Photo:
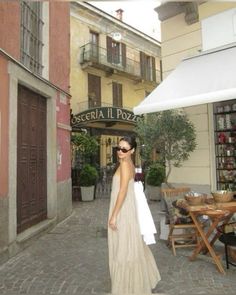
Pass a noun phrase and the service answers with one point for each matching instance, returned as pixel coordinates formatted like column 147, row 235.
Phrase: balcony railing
column 88, row 104
column 93, row 55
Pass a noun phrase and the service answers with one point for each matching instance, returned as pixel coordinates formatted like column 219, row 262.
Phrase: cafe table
column 219, row 213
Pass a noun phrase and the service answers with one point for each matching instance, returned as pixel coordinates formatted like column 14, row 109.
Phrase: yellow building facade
column 187, row 29
column 113, row 67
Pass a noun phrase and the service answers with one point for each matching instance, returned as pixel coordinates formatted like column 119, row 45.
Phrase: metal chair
column 180, row 234
column 228, row 238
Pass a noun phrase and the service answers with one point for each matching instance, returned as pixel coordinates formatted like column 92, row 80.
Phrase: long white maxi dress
column 133, row 269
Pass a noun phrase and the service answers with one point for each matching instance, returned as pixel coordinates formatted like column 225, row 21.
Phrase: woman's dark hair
column 131, row 141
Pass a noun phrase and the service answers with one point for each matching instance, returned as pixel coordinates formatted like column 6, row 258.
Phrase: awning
column 205, row 78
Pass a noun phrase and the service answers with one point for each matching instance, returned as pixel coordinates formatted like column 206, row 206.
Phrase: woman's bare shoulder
column 127, row 169
column 125, row 164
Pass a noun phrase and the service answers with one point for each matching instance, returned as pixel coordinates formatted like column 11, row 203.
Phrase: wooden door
column 31, row 159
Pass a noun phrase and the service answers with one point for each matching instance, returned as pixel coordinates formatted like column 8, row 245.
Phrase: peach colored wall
column 3, row 127
column 63, row 144
column 59, row 71
column 59, row 46
column 10, row 28
column 63, row 139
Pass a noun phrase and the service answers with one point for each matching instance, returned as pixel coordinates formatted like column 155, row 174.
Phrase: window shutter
column 123, row 55
column 117, row 94
column 109, row 49
column 142, row 64
column 114, row 93
column 120, row 96
column 94, row 90
column 153, row 69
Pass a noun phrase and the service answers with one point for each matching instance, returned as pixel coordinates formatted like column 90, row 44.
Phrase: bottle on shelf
column 221, row 137
column 229, row 151
column 230, row 138
column 221, row 122
column 225, row 139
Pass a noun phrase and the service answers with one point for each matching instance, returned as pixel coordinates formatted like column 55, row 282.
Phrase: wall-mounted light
column 116, row 36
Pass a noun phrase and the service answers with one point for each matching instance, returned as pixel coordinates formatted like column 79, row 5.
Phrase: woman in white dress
column 132, row 266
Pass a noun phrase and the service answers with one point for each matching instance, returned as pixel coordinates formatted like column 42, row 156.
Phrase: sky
column 138, row 14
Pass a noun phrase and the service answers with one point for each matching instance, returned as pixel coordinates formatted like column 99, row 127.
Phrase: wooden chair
column 180, row 234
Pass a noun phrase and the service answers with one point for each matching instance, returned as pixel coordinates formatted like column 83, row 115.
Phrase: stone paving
column 72, row 259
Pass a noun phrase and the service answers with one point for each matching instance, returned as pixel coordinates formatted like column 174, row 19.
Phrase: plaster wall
column 177, row 44
column 9, row 28
column 184, row 41
column 197, row 170
column 59, row 75
column 46, row 40
column 209, row 8
column 10, row 242
column 133, row 92
column 64, row 205
column 56, row 56
column 4, row 134
column 59, row 47
column 181, row 42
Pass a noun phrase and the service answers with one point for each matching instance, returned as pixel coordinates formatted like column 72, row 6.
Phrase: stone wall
column 64, row 199
column 3, row 229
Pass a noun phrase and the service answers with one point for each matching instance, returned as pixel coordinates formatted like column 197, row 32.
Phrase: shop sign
column 104, row 114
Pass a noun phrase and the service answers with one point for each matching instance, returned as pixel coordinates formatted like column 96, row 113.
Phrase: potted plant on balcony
column 155, row 177
column 87, row 180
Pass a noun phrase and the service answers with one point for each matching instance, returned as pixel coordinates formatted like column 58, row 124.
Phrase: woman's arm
column 125, row 176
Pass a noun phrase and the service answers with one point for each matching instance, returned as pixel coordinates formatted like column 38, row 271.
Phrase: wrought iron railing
column 89, row 104
column 99, row 56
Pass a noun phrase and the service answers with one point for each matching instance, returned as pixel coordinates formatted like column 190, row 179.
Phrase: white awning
column 206, row 78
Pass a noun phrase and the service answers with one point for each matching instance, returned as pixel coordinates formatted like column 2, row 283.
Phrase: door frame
column 20, row 75
column 31, row 164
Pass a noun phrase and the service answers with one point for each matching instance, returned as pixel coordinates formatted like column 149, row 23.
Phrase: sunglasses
column 123, row 150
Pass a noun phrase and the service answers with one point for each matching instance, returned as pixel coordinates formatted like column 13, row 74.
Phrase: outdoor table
column 218, row 213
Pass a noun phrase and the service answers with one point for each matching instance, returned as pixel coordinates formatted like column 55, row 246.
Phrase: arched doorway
column 108, row 125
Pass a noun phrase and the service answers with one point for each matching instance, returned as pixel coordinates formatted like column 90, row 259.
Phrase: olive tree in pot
column 154, row 178
column 171, row 134
column 87, row 180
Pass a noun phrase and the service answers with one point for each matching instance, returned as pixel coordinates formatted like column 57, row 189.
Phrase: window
column 31, row 35
column 116, row 52
column 94, row 41
column 117, row 95
column 147, row 67
column 94, row 91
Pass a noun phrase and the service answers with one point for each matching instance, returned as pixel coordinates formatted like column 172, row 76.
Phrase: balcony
column 95, row 103
column 92, row 55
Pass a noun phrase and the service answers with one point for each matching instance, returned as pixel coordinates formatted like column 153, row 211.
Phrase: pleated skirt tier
column 133, row 269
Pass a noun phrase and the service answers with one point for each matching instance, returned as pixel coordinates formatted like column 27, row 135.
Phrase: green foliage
column 146, row 129
column 171, row 133
column 85, row 145
column 88, row 175
column 155, row 174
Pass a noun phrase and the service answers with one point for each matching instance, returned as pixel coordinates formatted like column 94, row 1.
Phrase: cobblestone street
column 72, row 259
